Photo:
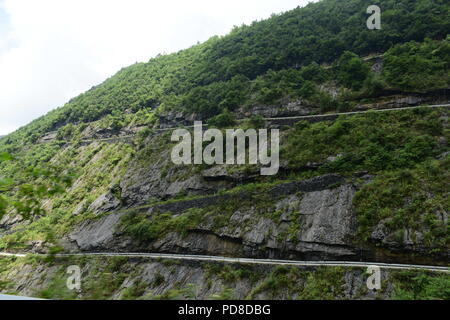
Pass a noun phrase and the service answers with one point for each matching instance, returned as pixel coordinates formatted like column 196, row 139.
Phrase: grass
column 410, row 285
column 146, row 229
column 407, row 199
column 321, row 283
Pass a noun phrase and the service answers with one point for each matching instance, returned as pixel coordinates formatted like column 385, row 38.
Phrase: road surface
column 10, row 297
column 356, row 112
column 249, row 260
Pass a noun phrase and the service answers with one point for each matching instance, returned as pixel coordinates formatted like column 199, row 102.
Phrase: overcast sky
column 53, row 50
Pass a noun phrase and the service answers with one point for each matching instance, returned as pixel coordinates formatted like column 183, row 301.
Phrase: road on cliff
column 188, row 257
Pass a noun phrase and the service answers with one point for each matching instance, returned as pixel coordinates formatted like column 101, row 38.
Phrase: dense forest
column 284, row 56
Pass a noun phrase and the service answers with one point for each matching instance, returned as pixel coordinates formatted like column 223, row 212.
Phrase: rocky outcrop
column 401, row 100
column 328, row 217
column 151, row 181
column 96, row 234
column 309, row 219
column 174, row 119
column 9, row 220
column 48, row 137
column 105, row 203
column 153, row 175
column 294, row 108
column 320, row 206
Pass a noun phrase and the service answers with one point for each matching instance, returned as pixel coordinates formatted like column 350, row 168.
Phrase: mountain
column 95, row 175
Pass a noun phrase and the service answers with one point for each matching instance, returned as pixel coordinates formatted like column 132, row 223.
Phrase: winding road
column 326, row 115
column 356, row 112
column 188, row 257
column 319, row 117
column 266, row 261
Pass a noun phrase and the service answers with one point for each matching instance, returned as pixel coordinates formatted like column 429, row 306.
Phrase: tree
column 352, row 71
column 26, row 198
column 225, row 119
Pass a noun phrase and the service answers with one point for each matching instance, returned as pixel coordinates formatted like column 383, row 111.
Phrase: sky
column 53, row 50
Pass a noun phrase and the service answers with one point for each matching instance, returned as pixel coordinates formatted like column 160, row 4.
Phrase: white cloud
column 52, row 50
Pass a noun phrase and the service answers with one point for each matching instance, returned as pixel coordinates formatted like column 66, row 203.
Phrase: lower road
column 247, row 260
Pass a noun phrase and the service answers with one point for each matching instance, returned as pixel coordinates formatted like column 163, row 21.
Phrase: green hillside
column 275, row 58
column 95, row 174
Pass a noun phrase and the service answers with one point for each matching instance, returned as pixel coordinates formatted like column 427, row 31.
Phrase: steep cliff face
column 300, row 219
column 311, row 219
column 153, row 176
column 322, row 205
column 367, row 185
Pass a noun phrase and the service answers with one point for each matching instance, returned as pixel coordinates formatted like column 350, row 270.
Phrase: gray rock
column 328, row 217
column 379, row 233
column 159, row 178
column 443, row 155
column 259, row 231
column 377, row 67
column 9, row 220
column 105, row 203
column 325, row 222
column 293, row 108
column 97, row 234
column 331, row 88
column 48, row 137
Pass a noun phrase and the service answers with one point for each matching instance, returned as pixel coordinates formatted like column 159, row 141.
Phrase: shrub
column 225, row 119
